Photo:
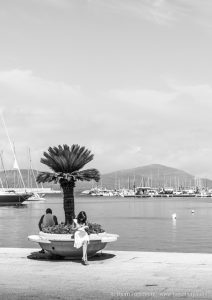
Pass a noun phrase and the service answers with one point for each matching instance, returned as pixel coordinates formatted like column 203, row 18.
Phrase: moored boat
column 36, row 197
column 10, row 197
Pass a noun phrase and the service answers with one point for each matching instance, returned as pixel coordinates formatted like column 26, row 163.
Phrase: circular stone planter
column 63, row 244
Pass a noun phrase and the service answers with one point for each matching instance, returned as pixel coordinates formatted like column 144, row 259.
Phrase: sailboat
column 10, row 196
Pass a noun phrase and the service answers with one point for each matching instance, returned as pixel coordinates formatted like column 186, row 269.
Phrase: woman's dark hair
column 82, row 217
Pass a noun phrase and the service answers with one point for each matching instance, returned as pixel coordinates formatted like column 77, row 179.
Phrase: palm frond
column 65, row 159
column 87, row 175
column 78, row 157
column 43, row 177
column 54, row 159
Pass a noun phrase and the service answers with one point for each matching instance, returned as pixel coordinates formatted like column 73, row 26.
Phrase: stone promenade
column 112, row 275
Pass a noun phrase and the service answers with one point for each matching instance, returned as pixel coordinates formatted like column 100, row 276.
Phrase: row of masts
column 177, row 183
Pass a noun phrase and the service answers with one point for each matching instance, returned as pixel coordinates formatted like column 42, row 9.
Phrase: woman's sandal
column 85, row 262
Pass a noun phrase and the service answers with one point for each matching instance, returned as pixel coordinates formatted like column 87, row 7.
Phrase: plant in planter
column 93, row 228
column 66, row 164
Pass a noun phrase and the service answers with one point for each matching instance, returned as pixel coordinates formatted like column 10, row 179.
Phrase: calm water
column 143, row 224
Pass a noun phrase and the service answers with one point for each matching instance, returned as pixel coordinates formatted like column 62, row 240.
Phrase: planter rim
column 43, row 237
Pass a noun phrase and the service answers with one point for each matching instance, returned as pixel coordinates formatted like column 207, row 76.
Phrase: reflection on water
column 174, row 231
column 174, row 222
column 143, row 224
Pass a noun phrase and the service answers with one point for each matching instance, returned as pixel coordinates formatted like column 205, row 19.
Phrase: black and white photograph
column 105, row 149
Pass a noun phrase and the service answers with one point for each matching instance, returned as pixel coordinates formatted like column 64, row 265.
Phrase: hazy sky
column 131, row 80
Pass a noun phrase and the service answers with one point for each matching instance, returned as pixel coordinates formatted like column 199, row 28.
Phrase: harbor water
column 144, row 224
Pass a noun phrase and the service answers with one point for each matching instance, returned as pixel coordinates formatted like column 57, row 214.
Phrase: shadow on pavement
column 98, row 257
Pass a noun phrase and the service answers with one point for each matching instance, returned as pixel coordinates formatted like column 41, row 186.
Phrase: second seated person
column 81, row 238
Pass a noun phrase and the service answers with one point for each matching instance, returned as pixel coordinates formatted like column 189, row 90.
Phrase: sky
column 131, row 80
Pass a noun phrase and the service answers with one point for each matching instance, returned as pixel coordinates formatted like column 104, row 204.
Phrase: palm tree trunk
column 68, row 200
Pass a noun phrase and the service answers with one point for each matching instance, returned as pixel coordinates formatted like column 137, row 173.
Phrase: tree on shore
column 67, row 163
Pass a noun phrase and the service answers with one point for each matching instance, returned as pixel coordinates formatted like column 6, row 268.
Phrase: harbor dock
column 109, row 275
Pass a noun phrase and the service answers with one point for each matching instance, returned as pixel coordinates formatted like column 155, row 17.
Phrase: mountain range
column 154, row 175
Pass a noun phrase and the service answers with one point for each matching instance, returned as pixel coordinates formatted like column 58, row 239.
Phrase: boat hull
column 13, row 198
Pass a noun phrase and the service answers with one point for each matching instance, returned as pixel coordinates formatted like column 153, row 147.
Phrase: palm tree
column 66, row 163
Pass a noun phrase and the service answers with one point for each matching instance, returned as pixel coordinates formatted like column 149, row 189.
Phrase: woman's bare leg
column 84, row 251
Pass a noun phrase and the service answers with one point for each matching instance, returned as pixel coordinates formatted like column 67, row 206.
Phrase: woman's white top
column 80, row 236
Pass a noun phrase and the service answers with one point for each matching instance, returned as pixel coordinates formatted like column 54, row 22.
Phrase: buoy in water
column 192, row 211
column 174, row 216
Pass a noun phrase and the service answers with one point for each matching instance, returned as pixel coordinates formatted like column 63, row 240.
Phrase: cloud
column 161, row 12
column 25, row 81
column 123, row 127
column 57, row 4
column 158, row 11
column 39, row 112
column 171, row 127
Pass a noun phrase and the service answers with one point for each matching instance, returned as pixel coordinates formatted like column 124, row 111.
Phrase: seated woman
column 81, row 238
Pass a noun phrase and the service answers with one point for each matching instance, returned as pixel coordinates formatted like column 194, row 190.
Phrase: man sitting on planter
column 47, row 220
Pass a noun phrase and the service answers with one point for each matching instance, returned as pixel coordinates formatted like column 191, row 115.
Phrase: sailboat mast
column 5, row 174
column 31, row 169
column 134, row 183
column 2, row 186
column 12, row 148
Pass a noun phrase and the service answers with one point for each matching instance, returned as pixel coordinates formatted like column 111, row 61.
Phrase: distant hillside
column 154, row 175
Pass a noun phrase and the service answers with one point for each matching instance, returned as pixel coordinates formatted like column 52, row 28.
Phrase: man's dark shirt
column 41, row 221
